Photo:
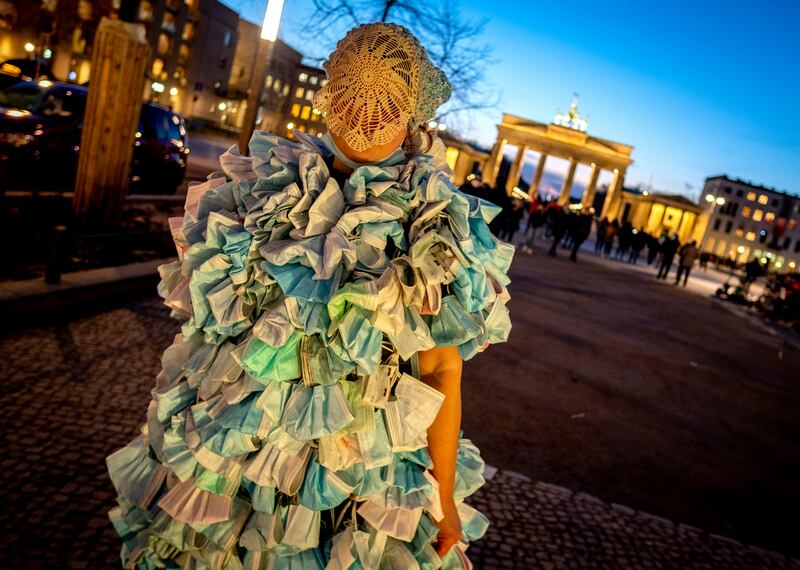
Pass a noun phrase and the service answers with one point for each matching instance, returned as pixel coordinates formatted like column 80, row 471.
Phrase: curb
column 23, row 299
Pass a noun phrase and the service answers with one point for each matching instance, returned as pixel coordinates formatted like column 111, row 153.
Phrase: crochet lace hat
column 380, row 81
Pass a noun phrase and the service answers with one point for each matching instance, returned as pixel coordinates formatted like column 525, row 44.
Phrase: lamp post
column 269, row 33
column 714, row 201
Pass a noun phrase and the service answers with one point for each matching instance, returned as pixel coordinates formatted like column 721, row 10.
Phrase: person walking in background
column 668, row 250
column 513, row 218
column 535, row 221
column 638, row 239
column 686, row 258
column 624, row 239
column 600, row 234
column 580, row 227
column 653, row 247
column 611, row 230
column 557, row 220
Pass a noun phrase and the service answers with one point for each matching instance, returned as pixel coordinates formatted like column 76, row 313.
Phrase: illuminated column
column 563, row 199
column 613, row 194
column 516, row 170
column 537, row 177
column 588, row 193
column 493, row 164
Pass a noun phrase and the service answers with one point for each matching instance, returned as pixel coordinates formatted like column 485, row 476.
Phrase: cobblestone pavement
column 76, row 391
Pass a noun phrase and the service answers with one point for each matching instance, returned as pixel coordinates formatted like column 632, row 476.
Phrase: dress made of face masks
column 287, row 429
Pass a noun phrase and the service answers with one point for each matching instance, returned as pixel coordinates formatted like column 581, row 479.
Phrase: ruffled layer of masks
column 285, row 430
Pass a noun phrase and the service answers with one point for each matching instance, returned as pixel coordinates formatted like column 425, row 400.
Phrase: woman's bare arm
column 440, row 368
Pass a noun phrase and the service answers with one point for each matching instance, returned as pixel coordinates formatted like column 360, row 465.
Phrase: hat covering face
column 380, row 82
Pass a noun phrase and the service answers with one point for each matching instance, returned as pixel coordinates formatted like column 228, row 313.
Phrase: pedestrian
column 638, row 240
column 687, row 255
column 580, row 227
column 600, row 235
column 513, row 218
column 612, row 231
column 624, row 240
column 535, row 221
column 557, row 220
column 668, row 250
column 272, row 436
column 653, row 247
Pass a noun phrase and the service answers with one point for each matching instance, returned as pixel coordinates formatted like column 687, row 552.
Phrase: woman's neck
column 341, row 166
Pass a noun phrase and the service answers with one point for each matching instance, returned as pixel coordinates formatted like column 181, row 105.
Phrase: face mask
column 413, row 410
column 396, row 522
column 469, row 470
column 396, row 157
column 273, row 467
column 376, row 451
column 314, row 412
column 322, row 489
column 135, row 476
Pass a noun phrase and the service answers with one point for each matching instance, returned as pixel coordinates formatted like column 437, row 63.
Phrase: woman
column 308, row 414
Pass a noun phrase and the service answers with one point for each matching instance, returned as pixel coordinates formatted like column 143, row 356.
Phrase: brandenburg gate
column 565, row 137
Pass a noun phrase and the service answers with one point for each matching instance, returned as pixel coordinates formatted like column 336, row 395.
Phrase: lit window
column 313, row 80
column 309, row 94
column 769, row 217
column 164, row 44
column 740, row 231
column 746, row 211
column 758, row 215
column 268, row 81
column 751, row 196
column 145, row 11
column 277, row 85
column 295, row 109
column 298, row 93
column 763, row 199
column 303, row 77
column 157, row 68
column 188, row 31
column 302, row 128
column 285, row 90
column 306, row 112
column 751, row 236
column 183, row 54
column 168, row 23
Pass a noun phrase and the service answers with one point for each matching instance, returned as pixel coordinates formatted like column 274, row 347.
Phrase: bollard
column 52, row 273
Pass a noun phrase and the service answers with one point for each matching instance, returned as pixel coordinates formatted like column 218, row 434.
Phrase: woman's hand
column 449, row 527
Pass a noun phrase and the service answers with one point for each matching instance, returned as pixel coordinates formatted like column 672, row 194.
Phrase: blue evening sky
column 698, row 88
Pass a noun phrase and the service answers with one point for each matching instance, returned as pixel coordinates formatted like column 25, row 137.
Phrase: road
column 612, row 384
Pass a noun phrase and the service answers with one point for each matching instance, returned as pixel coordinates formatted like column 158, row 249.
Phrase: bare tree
column 454, row 43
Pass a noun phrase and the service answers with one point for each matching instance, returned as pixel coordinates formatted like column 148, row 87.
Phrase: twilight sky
column 698, row 88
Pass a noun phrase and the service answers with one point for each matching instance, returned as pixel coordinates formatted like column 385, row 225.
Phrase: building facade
column 300, row 112
column 747, row 221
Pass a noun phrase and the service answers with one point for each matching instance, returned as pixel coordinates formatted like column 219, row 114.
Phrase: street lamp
column 714, row 201
column 269, row 33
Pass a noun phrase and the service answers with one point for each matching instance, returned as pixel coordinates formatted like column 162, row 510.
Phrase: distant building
column 170, row 27
column 281, row 72
column 656, row 213
column 209, row 68
column 301, row 113
column 746, row 220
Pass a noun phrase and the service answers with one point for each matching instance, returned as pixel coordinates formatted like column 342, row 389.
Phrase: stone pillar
column 516, row 170
column 588, row 193
column 563, row 199
column 493, row 164
column 119, row 60
column 537, row 177
column 613, row 195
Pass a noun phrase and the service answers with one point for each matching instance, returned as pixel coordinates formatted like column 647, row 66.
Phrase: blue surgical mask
column 393, row 159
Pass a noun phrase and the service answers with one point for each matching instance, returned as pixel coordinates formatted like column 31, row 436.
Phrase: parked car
column 40, row 136
column 13, row 71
